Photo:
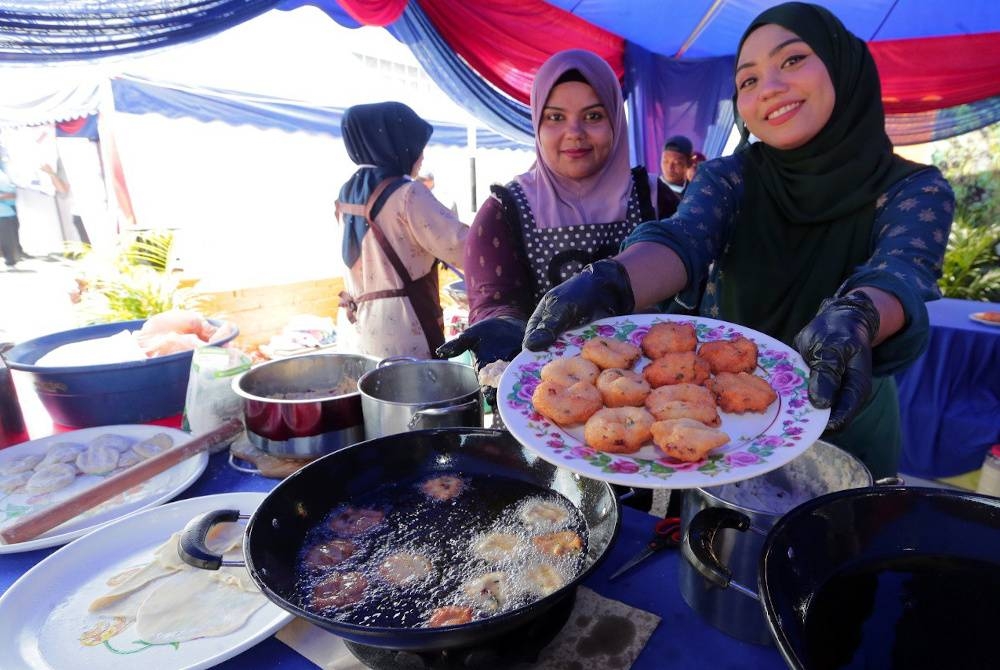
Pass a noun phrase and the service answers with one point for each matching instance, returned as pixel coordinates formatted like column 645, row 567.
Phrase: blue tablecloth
column 950, row 397
column 682, row 640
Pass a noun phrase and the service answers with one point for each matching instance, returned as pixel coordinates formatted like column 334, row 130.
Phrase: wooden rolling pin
column 33, row 525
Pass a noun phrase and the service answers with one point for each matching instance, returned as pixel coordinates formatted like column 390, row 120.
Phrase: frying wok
column 276, row 531
column 815, row 544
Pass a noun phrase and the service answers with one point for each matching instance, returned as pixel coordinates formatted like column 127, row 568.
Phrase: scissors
column 666, row 533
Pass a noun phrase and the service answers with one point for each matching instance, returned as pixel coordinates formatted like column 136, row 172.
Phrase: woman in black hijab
column 816, row 234
column 394, row 231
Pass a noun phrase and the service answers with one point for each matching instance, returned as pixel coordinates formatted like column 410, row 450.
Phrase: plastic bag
column 210, row 399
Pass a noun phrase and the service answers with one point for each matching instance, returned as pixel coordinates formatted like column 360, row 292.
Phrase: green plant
column 971, row 269
column 136, row 281
column 971, row 162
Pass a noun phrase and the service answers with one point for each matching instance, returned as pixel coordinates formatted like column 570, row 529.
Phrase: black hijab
column 384, row 139
column 806, row 219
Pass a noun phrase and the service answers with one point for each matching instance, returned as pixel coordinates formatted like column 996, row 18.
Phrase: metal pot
column 280, row 525
column 821, row 469
column 303, row 427
column 403, row 394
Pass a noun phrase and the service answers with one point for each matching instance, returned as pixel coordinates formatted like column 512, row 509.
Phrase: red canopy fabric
column 374, row 12
column 920, row 75
column 506, row 42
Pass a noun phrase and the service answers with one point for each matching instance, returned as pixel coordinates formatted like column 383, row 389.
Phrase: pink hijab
column 558, row 201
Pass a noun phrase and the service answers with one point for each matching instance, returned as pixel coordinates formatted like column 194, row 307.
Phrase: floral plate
column 758, row 443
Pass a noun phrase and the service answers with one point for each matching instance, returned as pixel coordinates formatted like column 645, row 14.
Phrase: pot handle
column 697, row 545
column 389, row 360
column 439, row 411
column 193, row 546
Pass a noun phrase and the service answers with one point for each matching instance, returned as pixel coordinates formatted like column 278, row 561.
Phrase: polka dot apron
column 556, row 254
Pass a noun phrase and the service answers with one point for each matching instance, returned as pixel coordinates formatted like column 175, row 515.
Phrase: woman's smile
column 782, row 113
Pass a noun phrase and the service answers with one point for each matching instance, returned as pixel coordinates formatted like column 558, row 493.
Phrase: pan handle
column 439, row 411
column 698, row 545
column 193, row 547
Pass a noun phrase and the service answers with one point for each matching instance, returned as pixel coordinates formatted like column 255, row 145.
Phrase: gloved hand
column 495, row 339
column 601, row 289
column 837, row 347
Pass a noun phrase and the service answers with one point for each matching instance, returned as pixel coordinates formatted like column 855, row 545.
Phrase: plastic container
column 99, row 395
column 989, row 477
column 12, row 428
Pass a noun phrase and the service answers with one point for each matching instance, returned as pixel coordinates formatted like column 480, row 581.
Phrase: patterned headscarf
column 558, row 201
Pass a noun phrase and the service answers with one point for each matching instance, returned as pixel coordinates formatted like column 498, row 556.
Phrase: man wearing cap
column 674, row 163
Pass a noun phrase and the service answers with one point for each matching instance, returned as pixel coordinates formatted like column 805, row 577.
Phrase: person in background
column 9, row 247
column 817, row 234
column 696, row 159
column 675, row 160
column 394, row 232
column 65, row 202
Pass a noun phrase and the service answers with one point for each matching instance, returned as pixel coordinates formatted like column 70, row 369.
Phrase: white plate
column 153, row 491
column 758, row 443
column 979, row 318
column 43, row 616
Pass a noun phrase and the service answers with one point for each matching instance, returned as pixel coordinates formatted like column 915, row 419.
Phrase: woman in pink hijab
column 574, row 206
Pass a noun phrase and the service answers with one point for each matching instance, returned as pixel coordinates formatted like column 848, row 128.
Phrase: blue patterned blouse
column 912, row 221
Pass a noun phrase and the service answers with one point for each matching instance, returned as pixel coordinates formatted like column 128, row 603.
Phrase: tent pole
column 470, row 132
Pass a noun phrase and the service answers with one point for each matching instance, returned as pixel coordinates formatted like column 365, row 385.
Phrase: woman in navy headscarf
column 394, row 231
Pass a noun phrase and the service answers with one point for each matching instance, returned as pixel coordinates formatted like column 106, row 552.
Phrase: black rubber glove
column 496, row 339
column 837, row 347
column 600, row 290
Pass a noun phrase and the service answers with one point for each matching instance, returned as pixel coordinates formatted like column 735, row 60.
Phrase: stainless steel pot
column 821, row 469
column 404, row 394
column 304, row 427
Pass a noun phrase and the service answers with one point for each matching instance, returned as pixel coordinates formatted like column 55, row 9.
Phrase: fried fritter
column 736, row 355
column 607, row 352
column 667, row 338
column 686, row 439
column 560, row 543
column 619, row 430
column 740, row 392
column 683, row 367
column 623, row 388
column 568, row 371
column 684, row 401
column 566, row 405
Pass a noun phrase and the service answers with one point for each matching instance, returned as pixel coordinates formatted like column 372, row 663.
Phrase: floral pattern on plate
column 758, row 443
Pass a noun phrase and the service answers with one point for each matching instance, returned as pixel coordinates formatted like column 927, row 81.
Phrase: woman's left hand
column 837, row 347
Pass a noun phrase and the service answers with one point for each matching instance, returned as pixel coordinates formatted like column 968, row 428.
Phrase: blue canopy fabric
column 136, row 96
column 708, row 28
column 33, row 31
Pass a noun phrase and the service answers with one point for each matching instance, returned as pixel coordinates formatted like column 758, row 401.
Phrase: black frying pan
column 277, row 529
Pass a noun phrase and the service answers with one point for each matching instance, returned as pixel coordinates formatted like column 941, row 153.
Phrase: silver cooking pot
column 304, row 406
column 404, row 394
column 823, row 468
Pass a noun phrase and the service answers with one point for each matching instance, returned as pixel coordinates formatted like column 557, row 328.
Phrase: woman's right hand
column 600, row 290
